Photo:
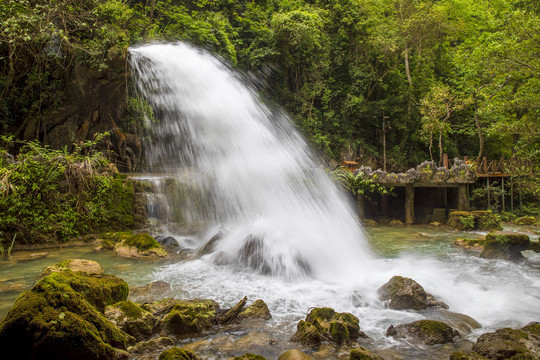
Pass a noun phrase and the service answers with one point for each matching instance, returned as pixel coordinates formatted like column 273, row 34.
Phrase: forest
column 453, row 76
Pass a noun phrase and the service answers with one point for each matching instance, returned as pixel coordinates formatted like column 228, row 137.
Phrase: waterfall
column 278, row 211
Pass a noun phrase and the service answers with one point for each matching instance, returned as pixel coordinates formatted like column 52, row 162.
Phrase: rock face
column 126, row 244
column 178, row 354
column 403, row 293
column 257, row 310
column 361, row 353
column 61, row 317
column 324, row 324
column 505, row 245
column 429, row 332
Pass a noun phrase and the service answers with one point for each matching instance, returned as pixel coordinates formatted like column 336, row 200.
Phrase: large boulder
column 402, row 293
column 75, row 265
column 324, row 324
column 505, row 245
column 61, row 317
column 474, row 220
column 428, row 332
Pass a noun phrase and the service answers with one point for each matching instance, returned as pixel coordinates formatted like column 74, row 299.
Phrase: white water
column 265, row 185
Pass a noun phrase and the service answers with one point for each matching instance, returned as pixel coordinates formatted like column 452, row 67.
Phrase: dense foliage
column 453, row 76
column 49, row 194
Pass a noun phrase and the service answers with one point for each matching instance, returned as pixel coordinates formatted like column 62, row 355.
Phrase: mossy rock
column 132, row 319
column 487, row 220
column 60, row 317
column 525, row 220
column 325, row 324
column 461, row 220
column 175, row 353
column 429, row 332
column 402, row 293
column 250, row 357
column 294, row 354
column 507, row 343
column 126, row 244
column 474, row 244
column 186, row 317
column 150, row 346
column 257, row 310
column 505, row 245
column 361, row 353
column 459, row 355
column 75, row 265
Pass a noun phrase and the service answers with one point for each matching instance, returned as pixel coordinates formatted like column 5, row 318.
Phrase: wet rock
column 150, row 292
column 525, row 220
column 257, row 310
column 470, row 244
column 151, row 346
column 169, row 244
column 75, row 265
column 428, row 332
column 210, row 246
column 250, row 357
column 396, row 222
column 27, row 255
column 175, row 353
column 361, row 353
column 229, row 316
column 61, row 317
column 486, row 220
column 403, row 293
column 181, row 317
column 474, row 220
column 435, row 224
column 459, row 355
column 294, row 355
column 510, row 343
column 130, row 245
column 461, row 322
column 324, row 324
column 132, row 319
column 461, row 220
column 505, row 245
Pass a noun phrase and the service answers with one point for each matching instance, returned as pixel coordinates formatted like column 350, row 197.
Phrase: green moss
column 132, row 310
column 61, row 316
column 361, row 353
column 178, row 354
column 431, row 327
column 468, row 222
column 190, row 316
column 525, row 220
column 339, row 332
column 250, row 357
column 142, row 242
column 532, row 328
column 506, row 238
column 325, row 323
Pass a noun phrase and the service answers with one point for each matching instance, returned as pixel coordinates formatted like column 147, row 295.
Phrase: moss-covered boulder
column 525, row 220
column 294, row 354
column 361, row 353
column 75, row 265
column 402, row 293
column 183, row 317
column 126, row 244
column 151, row 346
column 428, row 332
column 460, row 355
column 257, row 310
column 132, row 319
column 470, row 244
column 505, row 245
column 61, row 317
column 249, row 356
column 509, row 343
column 175, row 353
column 325, row 324
column 474, row 220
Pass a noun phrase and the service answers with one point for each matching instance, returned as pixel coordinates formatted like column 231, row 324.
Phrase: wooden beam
column 409, row 204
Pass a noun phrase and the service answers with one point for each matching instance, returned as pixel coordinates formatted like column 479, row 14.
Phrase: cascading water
column 281, row 212
column 244, row 167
